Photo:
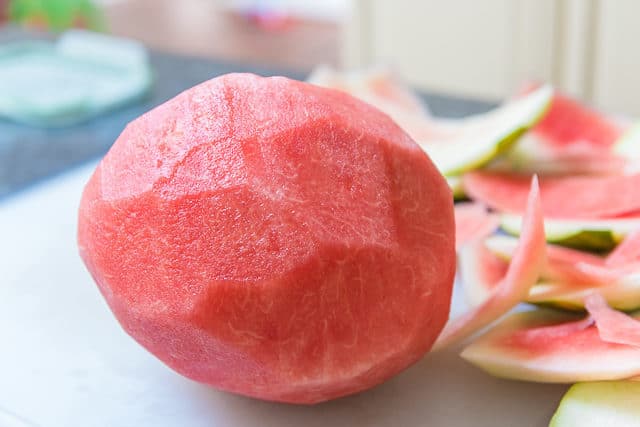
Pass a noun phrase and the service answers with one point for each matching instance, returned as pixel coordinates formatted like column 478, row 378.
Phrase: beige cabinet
column 488, row 48
column 616, row 56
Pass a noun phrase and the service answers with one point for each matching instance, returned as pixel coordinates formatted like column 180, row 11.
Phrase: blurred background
column 481, row 49
column 65, row 99
column 66, row 95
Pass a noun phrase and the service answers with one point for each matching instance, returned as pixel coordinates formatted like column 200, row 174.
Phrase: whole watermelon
column 272, row 238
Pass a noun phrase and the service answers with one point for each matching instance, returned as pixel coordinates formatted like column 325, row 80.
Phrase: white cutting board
column 65, row 362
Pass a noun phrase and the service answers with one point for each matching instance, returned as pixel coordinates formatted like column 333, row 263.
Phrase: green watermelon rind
column 455, row 184
column 458, row 153
column 629, row 143
column 596, row 404
column 594, row 235
column 624, row 295
column 494, row 353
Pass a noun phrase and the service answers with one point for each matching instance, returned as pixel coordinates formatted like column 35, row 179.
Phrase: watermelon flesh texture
column 240, row 235
column 599, row 404
column 551, row 346
column 522, row 273
column 576, row 197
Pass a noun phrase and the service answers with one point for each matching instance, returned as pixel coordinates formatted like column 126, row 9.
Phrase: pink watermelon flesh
column 569, row 139
column 613, row 326
column 551, row 346
column 473, row 222
column 272, row 238
column 627, row 252
column 521, row 275
column 570, row 123
column 575, row 197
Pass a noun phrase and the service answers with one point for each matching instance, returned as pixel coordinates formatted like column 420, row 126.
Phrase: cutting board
column 65, row 362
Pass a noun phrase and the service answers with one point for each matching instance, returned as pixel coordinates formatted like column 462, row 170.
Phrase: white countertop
column 65, row 362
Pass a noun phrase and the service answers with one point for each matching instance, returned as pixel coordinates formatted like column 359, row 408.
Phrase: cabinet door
column 616, row 76
column 468, row 47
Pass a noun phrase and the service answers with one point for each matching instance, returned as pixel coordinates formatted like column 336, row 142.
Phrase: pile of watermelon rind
column 548, row 229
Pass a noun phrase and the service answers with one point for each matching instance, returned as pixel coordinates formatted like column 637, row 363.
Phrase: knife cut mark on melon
column 521, row 275
column 613, row 326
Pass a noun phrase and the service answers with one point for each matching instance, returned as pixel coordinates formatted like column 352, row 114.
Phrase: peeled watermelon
column 272, row 238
